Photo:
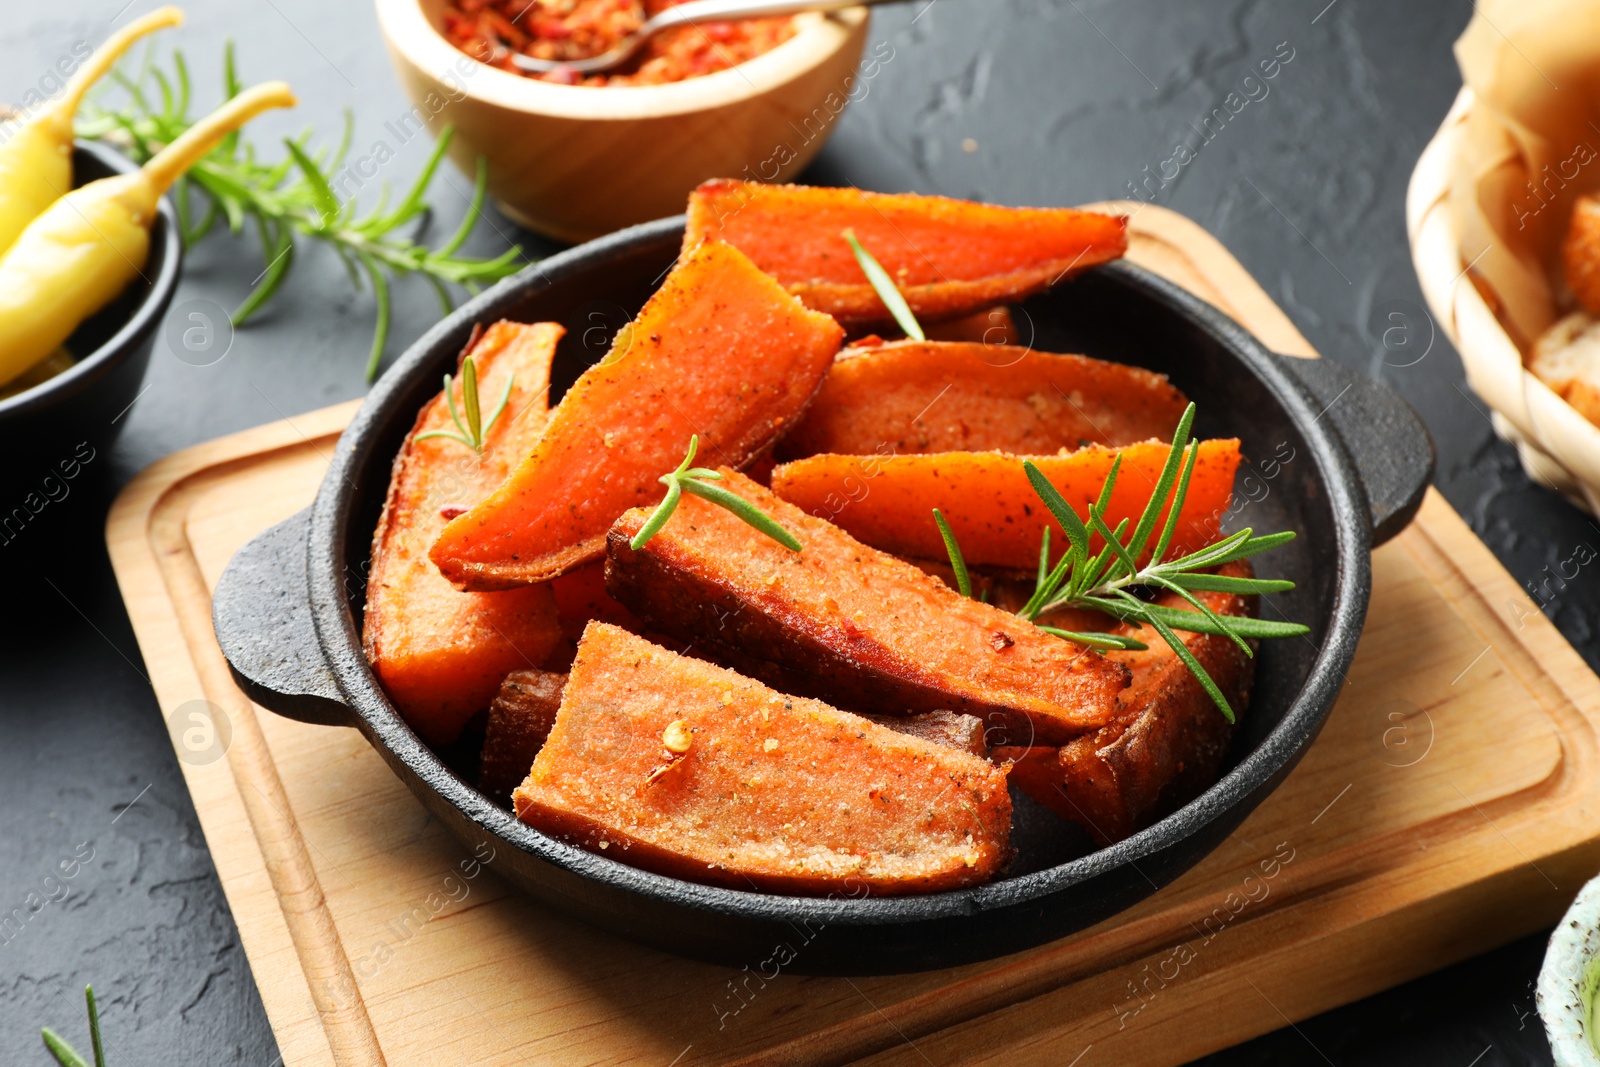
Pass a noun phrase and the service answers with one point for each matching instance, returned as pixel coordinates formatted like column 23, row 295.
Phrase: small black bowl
column 1336, row 457
column 70, row 416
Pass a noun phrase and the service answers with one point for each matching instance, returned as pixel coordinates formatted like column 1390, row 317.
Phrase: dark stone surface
column 1064, row 100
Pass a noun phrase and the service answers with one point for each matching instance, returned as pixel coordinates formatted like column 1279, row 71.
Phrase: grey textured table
column 1017, row 102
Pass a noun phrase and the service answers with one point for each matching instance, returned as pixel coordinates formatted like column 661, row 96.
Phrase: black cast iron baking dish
column 1335, row 457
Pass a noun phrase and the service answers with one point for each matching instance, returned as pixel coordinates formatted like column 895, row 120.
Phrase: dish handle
column 261, row 613
column 1387, row 440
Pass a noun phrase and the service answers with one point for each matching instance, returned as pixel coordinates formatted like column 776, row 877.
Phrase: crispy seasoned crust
column 851, row 624
column 948, row 257
column 520, row 719
column 439, row 652
column 1167, row 743
column 947, row 396
column 763, row 791
column 720, row 351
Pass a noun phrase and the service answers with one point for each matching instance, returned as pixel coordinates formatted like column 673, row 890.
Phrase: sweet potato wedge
column 1167, row 743
column 773, row 792
column 948, row 257
column 888, row 501
column 990, row 326
column 720, row 350
column 932, row 396
column 520, row 719
column 942, row 727
column 852, row 625
column 441, row 653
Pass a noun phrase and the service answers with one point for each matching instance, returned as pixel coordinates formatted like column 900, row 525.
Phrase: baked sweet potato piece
column 941, row 727
column 852, row 625
column 948, row 257
column 1168, row 741
column 764, row 791
column 990, row 326
column 581, row 598
column 520, row 719
column 720, row 350
column 888, row 501
column 441, row 653
column 942, row 396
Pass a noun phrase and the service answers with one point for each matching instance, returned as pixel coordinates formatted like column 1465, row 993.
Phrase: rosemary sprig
column 1105, row 580
column 293, row 198
column 64, row 1053
column 696, row 480
column 884, row 285
column 473, row 429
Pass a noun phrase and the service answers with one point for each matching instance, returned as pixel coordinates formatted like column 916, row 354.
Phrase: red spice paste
column 491, row 30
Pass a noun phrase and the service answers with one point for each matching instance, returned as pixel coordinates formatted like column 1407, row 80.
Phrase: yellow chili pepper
column 36, row 151
column 89, row 245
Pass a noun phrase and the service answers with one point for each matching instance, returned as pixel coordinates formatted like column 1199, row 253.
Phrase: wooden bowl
column 1559, row 448
column 575, row 162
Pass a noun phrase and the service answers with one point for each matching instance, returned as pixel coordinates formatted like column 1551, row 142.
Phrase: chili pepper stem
column 100, row 62
column 169, row 164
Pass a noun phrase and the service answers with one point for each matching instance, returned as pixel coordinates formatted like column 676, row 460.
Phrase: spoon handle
column 718, row 10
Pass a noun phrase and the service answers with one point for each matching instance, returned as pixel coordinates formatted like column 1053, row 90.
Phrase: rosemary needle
column 699, row 481
column 884, row 285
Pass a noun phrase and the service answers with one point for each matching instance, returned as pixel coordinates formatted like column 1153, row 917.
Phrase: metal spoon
column 682, row 15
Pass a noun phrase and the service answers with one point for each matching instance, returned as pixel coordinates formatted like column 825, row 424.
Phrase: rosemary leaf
column 1161, row 495
column 321, row 192
column 1206, row 556
column 1190, row 621
column 1181, row 650
column 1077, row 535
column 1179, row 495
column 499, row 408
column 277, row 248
column 415, row 202
column 469, row 400
column 1097, row 640
column 380, row 332
column 480, row 188
column 94, row 1027
column 958, row 563
column 64, row 1053
column 1124, row 564
column 658, row 518
column 697, row 480
column 1211, row 616
column 884, row 286
column 742, row 508
column 1218, row 583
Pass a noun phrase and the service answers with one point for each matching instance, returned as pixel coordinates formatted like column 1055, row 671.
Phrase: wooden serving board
column 1449, row 806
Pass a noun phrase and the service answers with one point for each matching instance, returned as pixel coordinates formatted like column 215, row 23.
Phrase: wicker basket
column 1559, row 448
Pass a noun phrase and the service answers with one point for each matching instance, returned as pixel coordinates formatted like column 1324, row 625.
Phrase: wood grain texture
column 1446, row 808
